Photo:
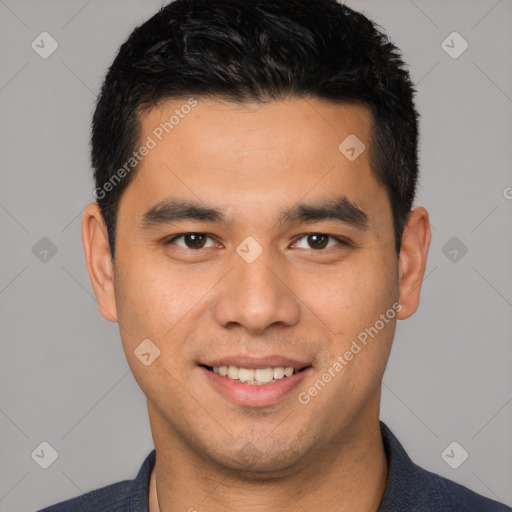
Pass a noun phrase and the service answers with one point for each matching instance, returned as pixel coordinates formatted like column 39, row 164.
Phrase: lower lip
column 254, row 395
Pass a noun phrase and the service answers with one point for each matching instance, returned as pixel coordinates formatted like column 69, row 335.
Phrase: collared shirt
column 409, row 488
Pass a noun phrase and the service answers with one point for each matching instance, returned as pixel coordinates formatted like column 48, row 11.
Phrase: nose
column 257, row 296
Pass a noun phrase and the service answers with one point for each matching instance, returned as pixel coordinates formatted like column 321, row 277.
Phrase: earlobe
column 98, row 260
column 412, row 261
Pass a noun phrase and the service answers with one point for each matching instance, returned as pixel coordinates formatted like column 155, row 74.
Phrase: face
column 249, row 239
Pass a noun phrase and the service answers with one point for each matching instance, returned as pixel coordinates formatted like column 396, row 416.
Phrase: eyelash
column 341, row 241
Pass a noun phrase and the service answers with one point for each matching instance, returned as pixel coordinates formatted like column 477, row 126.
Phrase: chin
column 260, row 464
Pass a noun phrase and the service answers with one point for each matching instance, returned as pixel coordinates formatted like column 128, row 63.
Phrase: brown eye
column 319, row 241
column 192, row 240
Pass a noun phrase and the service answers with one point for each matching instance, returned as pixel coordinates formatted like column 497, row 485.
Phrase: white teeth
column 251, row 376
column 233, row 372
column 278, row 372
column 264, row 374
column 244, row 375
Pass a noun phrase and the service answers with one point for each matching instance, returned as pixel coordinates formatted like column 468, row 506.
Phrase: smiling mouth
column 255, row 376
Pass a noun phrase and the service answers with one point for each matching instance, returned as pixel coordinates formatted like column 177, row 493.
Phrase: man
column 254, row 237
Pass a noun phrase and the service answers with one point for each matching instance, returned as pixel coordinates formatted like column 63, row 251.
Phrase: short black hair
column 247, row 51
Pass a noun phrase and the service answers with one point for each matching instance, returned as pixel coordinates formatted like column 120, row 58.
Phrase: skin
column 294, row 300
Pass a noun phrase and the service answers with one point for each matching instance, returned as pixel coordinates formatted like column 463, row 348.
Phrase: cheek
column 152, row 305
column 350, row 297
column 351, row 303
column 150, row 300
column 161, row 301
column 376, row 291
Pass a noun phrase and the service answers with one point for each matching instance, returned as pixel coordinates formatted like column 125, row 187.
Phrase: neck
column 349, row 476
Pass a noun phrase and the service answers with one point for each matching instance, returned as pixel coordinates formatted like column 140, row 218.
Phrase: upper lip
column 256, row 362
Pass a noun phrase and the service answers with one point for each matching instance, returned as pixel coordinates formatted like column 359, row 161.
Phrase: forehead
column 253, row 155
column 309, row 123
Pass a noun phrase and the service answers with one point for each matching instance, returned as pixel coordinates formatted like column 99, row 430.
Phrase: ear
column 412, row 260
column 99, row 260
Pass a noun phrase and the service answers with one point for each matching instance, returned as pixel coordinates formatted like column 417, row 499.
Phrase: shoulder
column 124, row 496
column 111, row 498
column 449, row 496
column 413, row 489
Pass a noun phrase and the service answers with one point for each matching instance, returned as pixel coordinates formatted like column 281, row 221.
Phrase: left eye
column 319, row 241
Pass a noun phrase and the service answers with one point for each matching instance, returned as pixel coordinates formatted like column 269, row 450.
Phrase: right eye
column 192, row 241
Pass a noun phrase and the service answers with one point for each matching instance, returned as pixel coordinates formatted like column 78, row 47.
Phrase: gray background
column 63, row 375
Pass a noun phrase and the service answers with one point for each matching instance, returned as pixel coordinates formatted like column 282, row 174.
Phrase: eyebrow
column 339, row 209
